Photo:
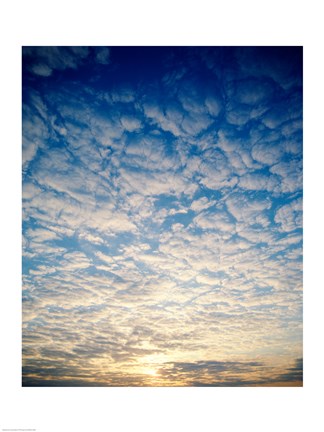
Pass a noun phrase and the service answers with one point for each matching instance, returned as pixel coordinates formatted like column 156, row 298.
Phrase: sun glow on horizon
column 151, row 372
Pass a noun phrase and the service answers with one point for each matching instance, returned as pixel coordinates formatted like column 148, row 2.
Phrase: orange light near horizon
column 151, row 372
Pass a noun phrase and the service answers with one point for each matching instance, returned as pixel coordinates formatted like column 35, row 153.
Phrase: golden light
column 151, row 372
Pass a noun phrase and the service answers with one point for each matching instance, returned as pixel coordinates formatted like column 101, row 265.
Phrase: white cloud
column 266, row 153
column 291, row 175
column 213, row 106
column 106, row 258
column 238, row 115
column 215, row 171
column 201, row 204
column 289, row 216
column 259, row 182
column 207, row 280
column 130, row 123
column 150, row 184
column 41, row 235
column 246, row 209
column 30, row 190
column 218, row 221
column 193, row 124
column 75, row 261
column 150, row 154
column 94, row 239
column 35, row 135
column 257, row 235
column 191, row 101
column 42, row 270
column 170, row 121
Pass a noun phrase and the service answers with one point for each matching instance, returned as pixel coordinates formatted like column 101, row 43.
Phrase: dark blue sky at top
column 147, row 64
column 154, row 72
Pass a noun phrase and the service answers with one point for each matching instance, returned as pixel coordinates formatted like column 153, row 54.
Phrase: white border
column 164, row 23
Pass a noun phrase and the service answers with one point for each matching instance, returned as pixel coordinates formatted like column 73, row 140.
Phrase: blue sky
column 162, row 215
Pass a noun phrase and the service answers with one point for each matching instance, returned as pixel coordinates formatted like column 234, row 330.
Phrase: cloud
column 282, row 65
column 201, row 204
column 43, row 61
column 162, row 217
column 150, row 184
column 42, row 70
column 231, row 373
column 35, row 135
column 130, row 123
column 289, row 216
column 103, row 55
column 283, row 112
column 291, row 176
column 251, row 91
column 199, row 373
column 218, row 221
column 259, row 182
column 266, row 154
column 247, row 209
column 41, row 235
column 170, row 121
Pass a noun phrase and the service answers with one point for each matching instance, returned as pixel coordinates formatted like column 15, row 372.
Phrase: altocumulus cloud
column 162, row 216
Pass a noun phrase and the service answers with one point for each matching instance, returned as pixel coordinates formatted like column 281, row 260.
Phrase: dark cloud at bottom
column 195, row 374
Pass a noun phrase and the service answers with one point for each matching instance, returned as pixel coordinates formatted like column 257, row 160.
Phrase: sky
column 162, row 216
